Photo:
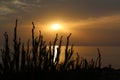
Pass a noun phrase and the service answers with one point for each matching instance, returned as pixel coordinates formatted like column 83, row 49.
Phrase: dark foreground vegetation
column 37, row 63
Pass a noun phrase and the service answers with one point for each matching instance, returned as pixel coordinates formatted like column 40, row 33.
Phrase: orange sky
column 91, row 22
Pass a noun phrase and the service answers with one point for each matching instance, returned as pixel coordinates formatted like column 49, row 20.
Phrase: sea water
column 110, row 54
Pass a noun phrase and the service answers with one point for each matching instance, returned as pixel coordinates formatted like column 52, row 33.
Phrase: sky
column 91, row 22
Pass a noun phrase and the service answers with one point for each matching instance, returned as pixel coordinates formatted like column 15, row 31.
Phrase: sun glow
column 56, row 26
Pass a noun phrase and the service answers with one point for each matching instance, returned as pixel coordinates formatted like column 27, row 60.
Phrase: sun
column 55, row 26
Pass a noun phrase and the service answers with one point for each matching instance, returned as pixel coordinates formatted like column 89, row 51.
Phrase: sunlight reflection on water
column 55, row 55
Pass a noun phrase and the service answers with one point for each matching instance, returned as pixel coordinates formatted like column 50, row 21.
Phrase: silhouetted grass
column 38, row 62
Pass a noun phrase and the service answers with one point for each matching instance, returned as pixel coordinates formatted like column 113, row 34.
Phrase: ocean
column 110, row 55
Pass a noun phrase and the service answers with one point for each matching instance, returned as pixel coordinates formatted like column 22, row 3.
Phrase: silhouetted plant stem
column 58, row 51
column 99, row 58
column 33, row 46
column 16, row 49
column 28, row 54
column 50, row 56
column 40, row 50
column 67, row 43
column 67, row 53
column 23, row 59
column 6, row 57
column 15, row 45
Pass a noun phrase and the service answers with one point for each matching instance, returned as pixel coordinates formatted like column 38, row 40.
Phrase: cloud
column 4, row 10
column 113, row 19
column 69, row 9
column 18, row 2
column 102, row 30
column 12, row 6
